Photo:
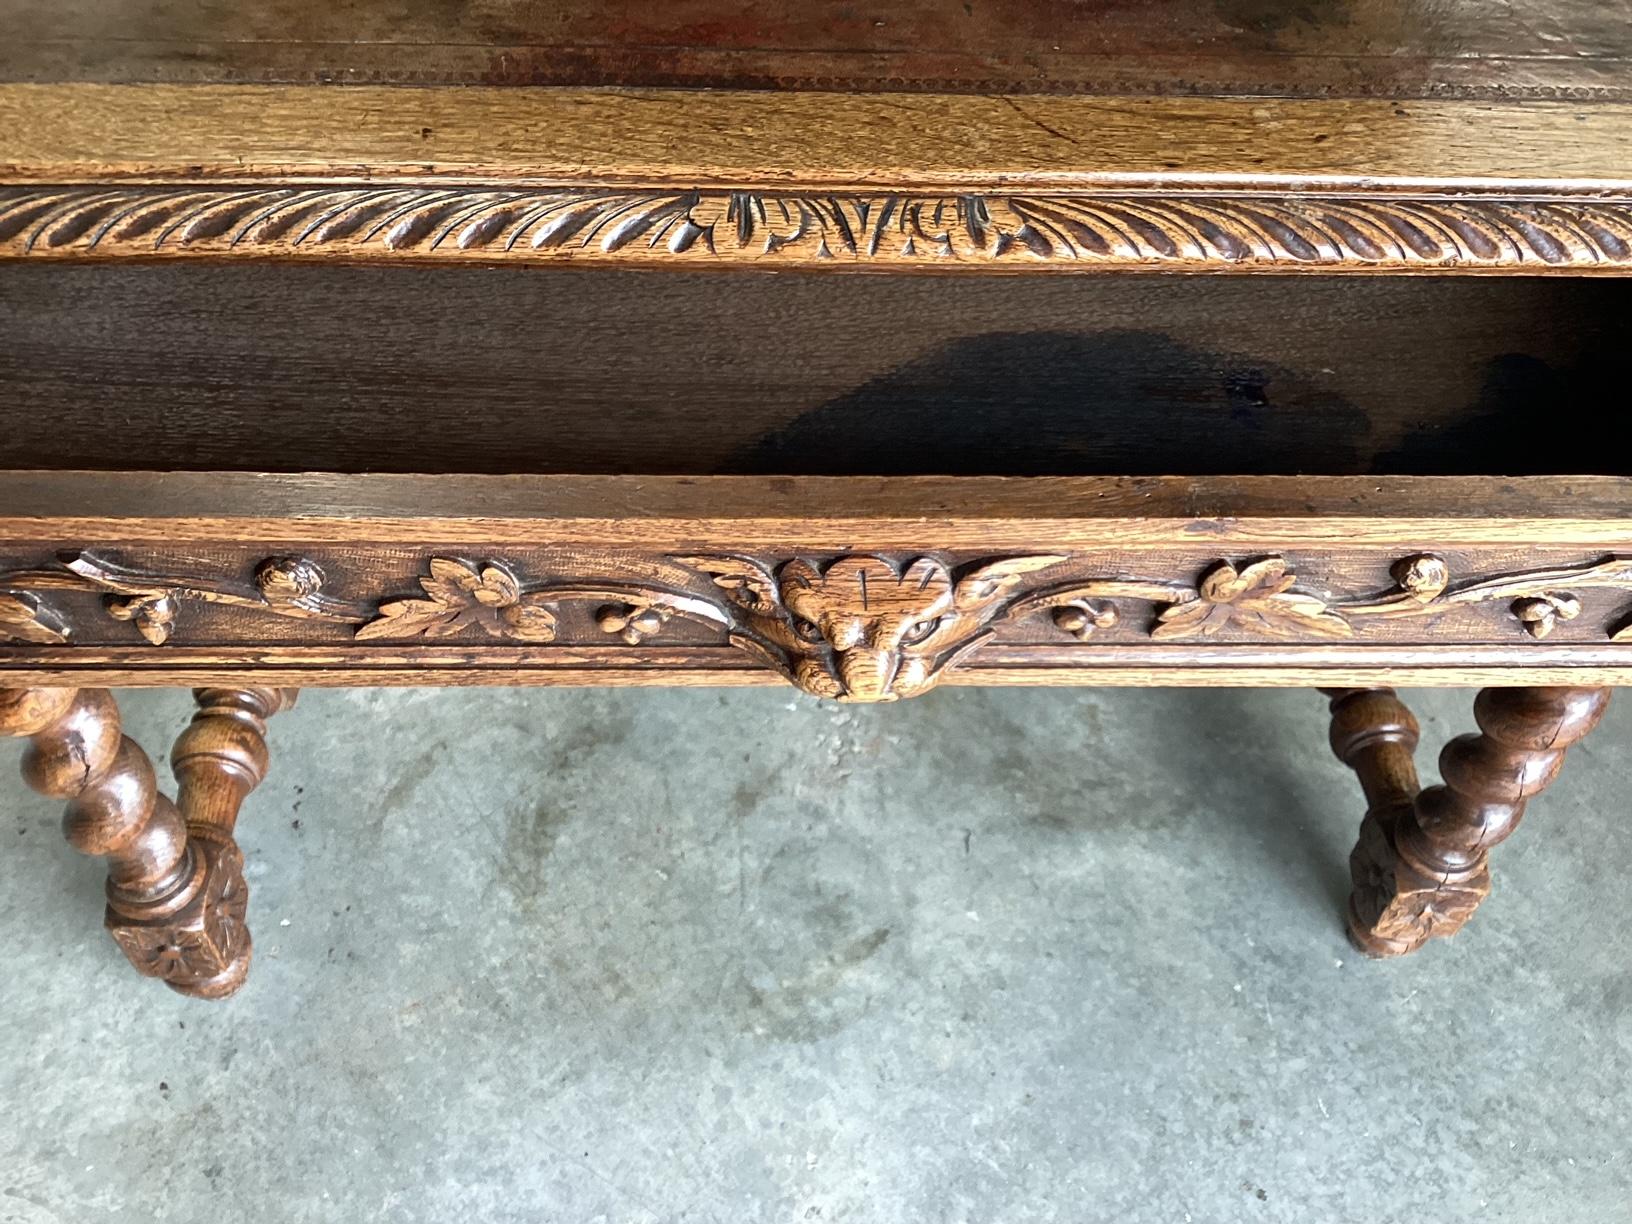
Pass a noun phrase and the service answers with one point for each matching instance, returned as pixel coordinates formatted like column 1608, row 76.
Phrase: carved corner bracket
column 176, row 897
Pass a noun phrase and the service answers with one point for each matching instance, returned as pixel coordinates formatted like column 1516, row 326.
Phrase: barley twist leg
column 1421, row 867
column 175, row 892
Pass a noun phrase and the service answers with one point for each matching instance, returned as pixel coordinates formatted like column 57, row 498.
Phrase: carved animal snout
column 867, row 674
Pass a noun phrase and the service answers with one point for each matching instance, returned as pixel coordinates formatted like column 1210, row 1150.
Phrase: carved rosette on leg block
column 1421, row 874
column 176, row 894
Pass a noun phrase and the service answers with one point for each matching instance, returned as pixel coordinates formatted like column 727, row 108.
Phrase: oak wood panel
column 1387, row 47
column 827, row 513
column 514, row 370
column 865, row 588
column 809, row 141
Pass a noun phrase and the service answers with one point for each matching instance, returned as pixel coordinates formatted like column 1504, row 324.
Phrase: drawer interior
column 266, row 367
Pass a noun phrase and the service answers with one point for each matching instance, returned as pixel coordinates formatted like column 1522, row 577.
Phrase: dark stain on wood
column 472, row 369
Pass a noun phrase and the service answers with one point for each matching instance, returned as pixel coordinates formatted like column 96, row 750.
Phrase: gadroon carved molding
column 1362, row 231
column 853, row 627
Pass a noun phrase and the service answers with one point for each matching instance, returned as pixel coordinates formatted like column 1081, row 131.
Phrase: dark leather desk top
column 1344, row 48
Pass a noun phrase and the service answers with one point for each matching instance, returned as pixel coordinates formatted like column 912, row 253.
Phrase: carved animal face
column 864, row 624
column 862, row 628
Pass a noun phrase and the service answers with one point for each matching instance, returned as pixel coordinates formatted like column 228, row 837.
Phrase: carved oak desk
column 556, row 368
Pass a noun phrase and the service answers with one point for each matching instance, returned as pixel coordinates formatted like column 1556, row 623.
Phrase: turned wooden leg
column 1374, row 734
column 175, row 908
column 176, row 895
column 1420, row 868
column 222, row 754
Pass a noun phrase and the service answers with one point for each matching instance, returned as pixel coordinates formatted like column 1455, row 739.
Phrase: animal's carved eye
column 920, row 631
column 807, row 629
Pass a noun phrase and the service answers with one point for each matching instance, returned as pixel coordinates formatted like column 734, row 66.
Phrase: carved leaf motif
column 1128, row 228
column 994, row 579
column 462, row 595
column 24, row 619
column 749, row 584
column 1190, row 619
column 1259, row 593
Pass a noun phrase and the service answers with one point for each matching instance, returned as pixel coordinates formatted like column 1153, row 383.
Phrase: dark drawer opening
column 524, row 370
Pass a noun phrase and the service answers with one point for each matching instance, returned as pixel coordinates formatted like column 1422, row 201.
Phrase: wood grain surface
column 829, row 513
column 746, row 141
column 1392, row 48
column 526, row 370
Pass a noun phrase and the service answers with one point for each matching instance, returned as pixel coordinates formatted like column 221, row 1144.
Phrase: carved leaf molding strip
column 863, row 628
column 1214, row 229
column 1260, row 597
column 855, row 627
column 459, row 595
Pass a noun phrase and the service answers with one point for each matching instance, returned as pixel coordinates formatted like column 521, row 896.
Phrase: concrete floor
column 985, row 956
